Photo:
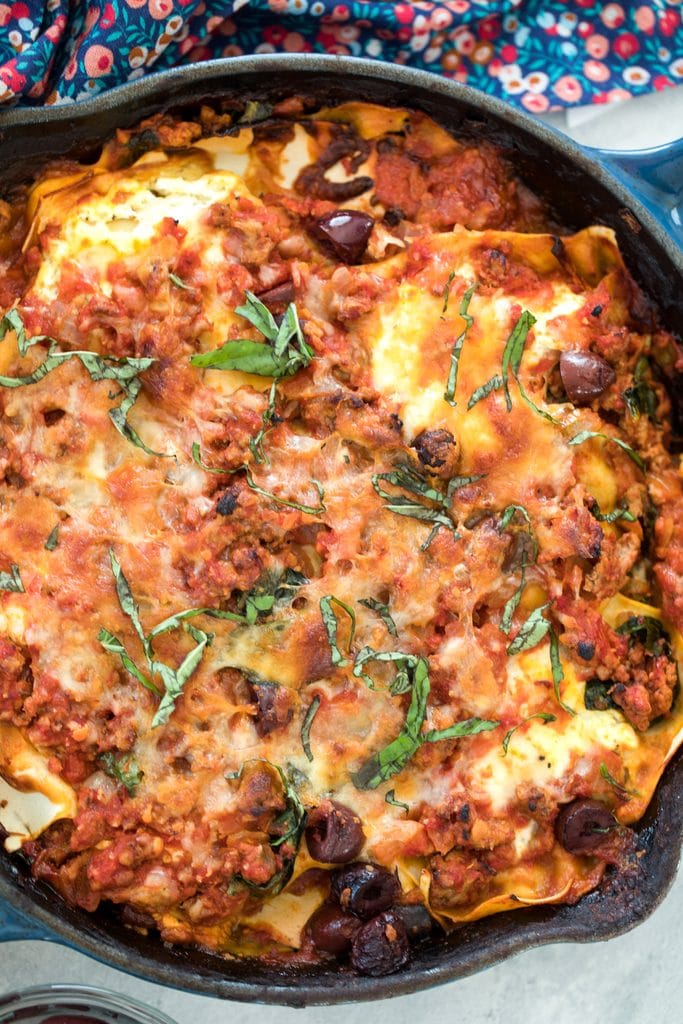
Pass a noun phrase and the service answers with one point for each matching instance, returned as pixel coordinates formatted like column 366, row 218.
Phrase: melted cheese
column 105, row 244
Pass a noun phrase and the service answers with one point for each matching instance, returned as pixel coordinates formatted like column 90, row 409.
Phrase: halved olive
column 381, row 946
column 334, row 833
column 331, row 929
column 365, row 889
column 585, row 376
column 581, row 825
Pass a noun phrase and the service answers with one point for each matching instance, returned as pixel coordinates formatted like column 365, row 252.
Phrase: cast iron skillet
column 582, row 191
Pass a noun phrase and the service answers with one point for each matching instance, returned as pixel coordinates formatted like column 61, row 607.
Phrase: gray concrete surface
column 635, row 979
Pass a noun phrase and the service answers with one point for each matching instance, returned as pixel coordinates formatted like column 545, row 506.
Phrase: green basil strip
column 259, row 316
column 175, row 679
column 508, row 735
column 256, row 443
column 452, row 381
column 113, row 645
column 383, row 611
column 511, row 605
column 197, row 457
column 125, row 770
column 405, row 663
column 532, row 631
column 306, row 727
column 494, row 383
column 331, row 625
column 557, row 671
column 123, row 371
column 53, row 539
column 447, row 292
column 641, row 398
column 509, row 513
column 619, row 786
column 514, row 350
column 390, row 798
column 12, row 580
column 179, row 283
column 12, row 321
column 310, row 510
column 588, row 435
column 468, row 727
column 245, row 355
column 394, row 757
column 621, row 512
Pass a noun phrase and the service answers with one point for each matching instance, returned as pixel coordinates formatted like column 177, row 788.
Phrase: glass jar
column 75, row 1004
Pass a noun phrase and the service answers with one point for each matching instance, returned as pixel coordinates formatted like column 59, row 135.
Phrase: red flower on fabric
column 626, row 45
column 661, row 82
column 404, row 13
column 669, row 22
column 489, row 28
column 11, row 77
column 20, row 11
column 275, row 34
column 508, row 53
column 108, row 19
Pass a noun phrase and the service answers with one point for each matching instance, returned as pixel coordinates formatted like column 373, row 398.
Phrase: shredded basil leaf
column 511, row 605
column 174, row 680
column 648, row 631
column 12, row 580
column 306, row 727
column 484, row 390
column 509, row 513
column 394, row 757
column 382, row 610
column 557, row 671
column 531, row 632
column 390, row 798
column 123, row 371
column 124, row 770
column 641, row 398
column 619, row 786
column 408, row 479
column 179, row 283
column 452, row 382
column 53, row 539
column 596, row 695
column 468, row 727
column 447, row 292
column 508, row 735
column 405, row 663
column 330, row 623
column 621, row 512
column 310, row 510
column 286, row 352
column 287, row 828
column 587, row 435
column 256, row 442
column 12, row 321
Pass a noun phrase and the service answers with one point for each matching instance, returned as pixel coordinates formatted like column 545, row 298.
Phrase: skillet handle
column 655, row 176
column 14, row 925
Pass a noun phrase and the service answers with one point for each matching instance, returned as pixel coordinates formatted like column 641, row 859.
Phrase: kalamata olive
column 334, row 833
column 582, row 824
column 280, row 294
column 331, row 929
column 365, row 889
column 436, row 449
column 227, row 503
column 345, row 233
column 585, row 376
column 417, row 920
column 381, row 946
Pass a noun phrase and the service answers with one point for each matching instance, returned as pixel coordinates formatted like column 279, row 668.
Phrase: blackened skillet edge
column 580, row 192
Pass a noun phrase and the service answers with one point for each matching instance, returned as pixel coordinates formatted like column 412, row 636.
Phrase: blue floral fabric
column 539, row 54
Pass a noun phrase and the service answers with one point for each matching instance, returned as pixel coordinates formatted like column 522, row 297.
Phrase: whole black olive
column 364, row 889
column 417, row 920
column 332, row 930
column 381, row 946
column 585, row 376
column 581, row 825
column 333, row 833
column 345, row 233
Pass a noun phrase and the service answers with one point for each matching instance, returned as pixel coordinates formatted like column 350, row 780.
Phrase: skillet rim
column 617, row 905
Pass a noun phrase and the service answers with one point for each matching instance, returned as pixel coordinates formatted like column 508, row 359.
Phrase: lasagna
column 341, row 536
